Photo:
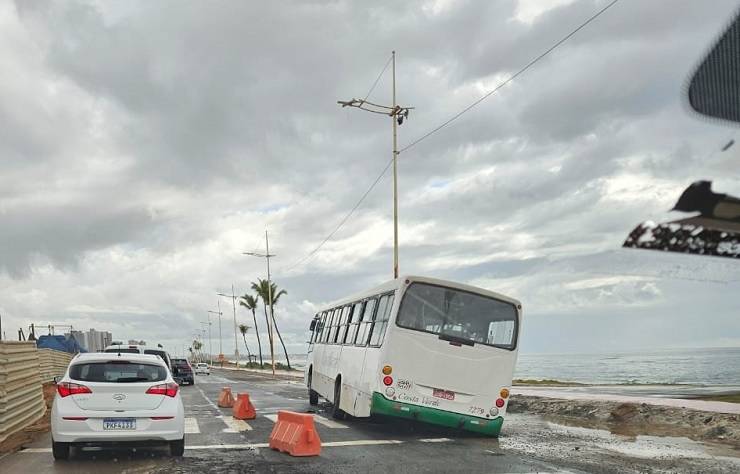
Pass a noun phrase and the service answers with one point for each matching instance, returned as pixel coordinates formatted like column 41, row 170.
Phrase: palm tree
column 263, row 291
column 250, row 302
column 244, row 328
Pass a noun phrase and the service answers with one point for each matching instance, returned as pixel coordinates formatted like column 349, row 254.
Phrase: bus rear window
column 462, row 315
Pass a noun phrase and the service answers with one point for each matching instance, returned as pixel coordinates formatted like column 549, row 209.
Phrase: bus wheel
column 313, row 395
column 336, row 412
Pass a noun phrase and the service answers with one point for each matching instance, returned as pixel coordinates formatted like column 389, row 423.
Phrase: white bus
column 420, row 348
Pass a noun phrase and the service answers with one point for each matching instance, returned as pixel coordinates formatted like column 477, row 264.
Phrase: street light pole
column 210, row 345
column 220, row 339
column 271, row 319
column 233, row 303
column 397, row 114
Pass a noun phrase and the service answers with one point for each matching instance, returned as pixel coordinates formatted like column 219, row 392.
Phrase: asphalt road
column 217, row 443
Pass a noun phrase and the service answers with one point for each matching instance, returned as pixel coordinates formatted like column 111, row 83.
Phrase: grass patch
column 546, row 383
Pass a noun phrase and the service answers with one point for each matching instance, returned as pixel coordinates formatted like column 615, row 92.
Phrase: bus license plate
column 447, row 395
column 119, row 424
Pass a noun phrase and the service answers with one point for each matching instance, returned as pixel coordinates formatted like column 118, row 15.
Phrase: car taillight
column 168, row 389
column 68, row 388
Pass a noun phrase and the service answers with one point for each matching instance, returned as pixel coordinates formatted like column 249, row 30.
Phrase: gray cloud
column 145, row 145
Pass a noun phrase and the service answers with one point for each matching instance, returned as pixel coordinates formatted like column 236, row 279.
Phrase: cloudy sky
column 145, row 145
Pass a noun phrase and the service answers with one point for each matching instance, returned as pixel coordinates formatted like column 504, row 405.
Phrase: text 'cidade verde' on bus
column 421, row 348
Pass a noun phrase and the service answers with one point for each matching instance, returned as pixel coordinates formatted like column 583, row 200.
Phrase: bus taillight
column 500, row 402
column 387, row 370
column 504, row 393
column 388, row 380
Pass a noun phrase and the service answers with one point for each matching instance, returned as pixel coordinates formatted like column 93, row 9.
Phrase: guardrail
column 21, row 396
column 53, row 363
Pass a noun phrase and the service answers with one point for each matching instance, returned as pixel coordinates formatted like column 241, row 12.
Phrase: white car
column 107, row 398
column 202, row 368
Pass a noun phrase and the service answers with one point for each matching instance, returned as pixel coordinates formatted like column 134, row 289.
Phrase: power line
column 511, row 78
column 444, row 124
column 372, row 88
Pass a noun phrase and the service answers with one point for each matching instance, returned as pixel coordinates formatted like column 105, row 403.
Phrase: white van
column 125, row 348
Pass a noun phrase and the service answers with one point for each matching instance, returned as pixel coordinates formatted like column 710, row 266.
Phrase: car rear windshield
column 181, row 364
column 124, row 351
column 117, row 372
column 161, row 354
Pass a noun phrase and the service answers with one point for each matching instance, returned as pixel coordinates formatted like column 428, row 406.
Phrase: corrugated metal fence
column 53, row 363
column 21, row 396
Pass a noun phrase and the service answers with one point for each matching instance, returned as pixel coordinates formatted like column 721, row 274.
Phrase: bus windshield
column 458, row 315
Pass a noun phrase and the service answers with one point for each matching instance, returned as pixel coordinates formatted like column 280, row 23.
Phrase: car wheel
column 60, row 450
column 313, row 395
column 336, row 412
column 177, row 447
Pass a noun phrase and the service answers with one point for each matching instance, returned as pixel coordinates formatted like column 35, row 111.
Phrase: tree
column 250, row 302
column 244, row 328
column 263, row 291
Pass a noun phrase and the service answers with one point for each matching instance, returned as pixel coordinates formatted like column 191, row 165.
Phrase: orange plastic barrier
column 243, row 408
column 295, row 434
column 226, row 399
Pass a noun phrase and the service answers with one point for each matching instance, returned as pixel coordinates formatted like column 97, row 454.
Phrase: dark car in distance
column 182, row 371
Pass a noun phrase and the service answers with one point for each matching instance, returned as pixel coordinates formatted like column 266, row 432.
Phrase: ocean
column 709, row 367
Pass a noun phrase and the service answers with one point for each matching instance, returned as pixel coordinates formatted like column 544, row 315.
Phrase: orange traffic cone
column 243, row 408
column 226, row 399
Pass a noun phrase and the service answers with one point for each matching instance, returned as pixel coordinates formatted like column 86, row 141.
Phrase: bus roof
column 398, row 283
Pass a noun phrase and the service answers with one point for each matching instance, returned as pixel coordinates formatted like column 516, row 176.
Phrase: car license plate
column 446, row 394
column 119, row 424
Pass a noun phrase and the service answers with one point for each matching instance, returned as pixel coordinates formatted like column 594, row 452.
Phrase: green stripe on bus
column 383, row 406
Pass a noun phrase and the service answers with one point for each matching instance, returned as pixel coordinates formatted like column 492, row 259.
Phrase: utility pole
column 397, row 114
column 270, row 320
column 233, row 303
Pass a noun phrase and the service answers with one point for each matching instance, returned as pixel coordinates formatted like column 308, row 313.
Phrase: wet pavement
column 215, row 443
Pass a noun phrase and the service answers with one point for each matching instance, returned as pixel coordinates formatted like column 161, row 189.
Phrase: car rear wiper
column 132, row 379
column 456, row 341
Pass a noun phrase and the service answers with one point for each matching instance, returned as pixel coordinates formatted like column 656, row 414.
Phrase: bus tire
column 336, row 412
column 313, row 395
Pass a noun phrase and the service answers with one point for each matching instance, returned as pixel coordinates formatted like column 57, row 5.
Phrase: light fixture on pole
column 397, row 114
column 271, row 319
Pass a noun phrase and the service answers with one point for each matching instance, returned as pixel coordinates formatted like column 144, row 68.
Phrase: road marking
column 435, row 440
column 360, row 442
column 328, row 423
column 234, row 425
column 208, row 399
column 191, row 426
column 331, row 444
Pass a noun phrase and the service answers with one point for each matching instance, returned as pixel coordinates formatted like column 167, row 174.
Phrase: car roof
column 106, row 356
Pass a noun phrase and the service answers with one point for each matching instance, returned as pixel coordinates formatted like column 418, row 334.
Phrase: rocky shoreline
column 633, row 419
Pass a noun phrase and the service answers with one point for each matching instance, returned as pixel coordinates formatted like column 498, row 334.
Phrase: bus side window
column 367, row 320
column 342, row 333
column 327, row 326
column 339, row 320
column 320, row 328
column 357, row 317
column 381, row 320
column 332, row 326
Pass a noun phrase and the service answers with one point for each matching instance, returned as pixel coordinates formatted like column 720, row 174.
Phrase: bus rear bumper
column 383, row 406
